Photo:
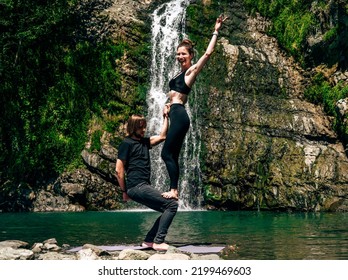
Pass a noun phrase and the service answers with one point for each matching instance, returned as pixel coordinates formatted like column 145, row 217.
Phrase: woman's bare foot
column 173, row 193
column 147, row 244
column 160, row 247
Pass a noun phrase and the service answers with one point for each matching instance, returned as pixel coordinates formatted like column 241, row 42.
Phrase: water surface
column 258, row 235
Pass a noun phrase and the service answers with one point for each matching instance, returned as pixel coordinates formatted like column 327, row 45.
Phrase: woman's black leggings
column 179, row 125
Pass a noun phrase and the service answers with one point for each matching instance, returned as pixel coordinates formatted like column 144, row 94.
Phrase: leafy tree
column 53, row 80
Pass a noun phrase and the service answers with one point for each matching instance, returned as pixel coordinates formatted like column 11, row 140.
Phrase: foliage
column 294, row 21
column 96, row 143
column 321, row 92
column 53, row 81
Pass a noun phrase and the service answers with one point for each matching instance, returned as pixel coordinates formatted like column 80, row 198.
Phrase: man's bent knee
column 173, row 205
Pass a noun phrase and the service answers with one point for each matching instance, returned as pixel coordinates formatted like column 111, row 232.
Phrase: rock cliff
column 264, row 145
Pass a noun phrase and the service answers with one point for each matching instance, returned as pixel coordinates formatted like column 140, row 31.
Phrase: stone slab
column 201, row 249
column 196, row 249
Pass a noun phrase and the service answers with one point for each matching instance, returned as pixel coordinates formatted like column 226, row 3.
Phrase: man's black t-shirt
column 137, row 157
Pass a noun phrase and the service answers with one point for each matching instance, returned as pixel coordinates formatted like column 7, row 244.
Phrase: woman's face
column 183, row 57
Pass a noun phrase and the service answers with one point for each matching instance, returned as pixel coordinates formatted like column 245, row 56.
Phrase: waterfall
column 168, row 29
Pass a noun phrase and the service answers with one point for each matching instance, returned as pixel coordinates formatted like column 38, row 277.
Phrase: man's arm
column 120, row 175
column 155, row 140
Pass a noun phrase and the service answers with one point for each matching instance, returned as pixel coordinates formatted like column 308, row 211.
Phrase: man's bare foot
column 160, row 247
column 173, row 193
column 147, row 244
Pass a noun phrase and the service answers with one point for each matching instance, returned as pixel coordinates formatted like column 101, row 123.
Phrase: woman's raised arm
column 196, row 68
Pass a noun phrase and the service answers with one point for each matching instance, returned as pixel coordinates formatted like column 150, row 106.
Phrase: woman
column 180, row 87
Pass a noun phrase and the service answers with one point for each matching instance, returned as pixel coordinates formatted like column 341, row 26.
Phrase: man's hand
column 166, row 110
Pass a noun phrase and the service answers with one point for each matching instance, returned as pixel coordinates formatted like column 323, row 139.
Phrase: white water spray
column 168, row 29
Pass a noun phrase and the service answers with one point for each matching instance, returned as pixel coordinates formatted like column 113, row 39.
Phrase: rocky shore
column 50, row 250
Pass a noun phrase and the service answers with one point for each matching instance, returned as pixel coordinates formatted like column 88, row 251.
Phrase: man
column 134, row 163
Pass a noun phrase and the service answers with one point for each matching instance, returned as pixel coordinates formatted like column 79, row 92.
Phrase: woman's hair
column 188, row 45
column 134, row 123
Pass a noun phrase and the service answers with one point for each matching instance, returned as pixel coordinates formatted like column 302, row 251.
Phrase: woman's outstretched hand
column 219, row 21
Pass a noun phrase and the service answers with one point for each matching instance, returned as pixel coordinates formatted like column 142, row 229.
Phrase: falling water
column 168, row 29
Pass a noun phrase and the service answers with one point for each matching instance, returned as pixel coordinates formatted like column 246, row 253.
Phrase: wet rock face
column 342, row 112
column 103, row 19
column 78, row 191
column 265, row 146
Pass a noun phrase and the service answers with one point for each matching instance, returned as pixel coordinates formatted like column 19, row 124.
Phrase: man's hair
column 134, row 123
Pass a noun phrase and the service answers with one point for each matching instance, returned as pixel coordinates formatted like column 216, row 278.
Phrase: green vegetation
column 293, row 22
column 96, row 143
column 321, row 92
column 54, row 79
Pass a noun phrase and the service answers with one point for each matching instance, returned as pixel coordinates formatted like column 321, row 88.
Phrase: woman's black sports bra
column 178, row 84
